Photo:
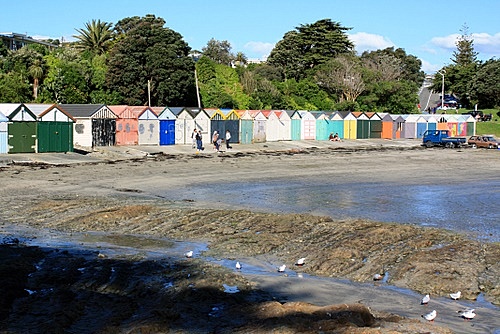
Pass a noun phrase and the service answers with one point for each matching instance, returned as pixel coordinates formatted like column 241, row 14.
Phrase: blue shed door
column 167, row 132
column 421, row 127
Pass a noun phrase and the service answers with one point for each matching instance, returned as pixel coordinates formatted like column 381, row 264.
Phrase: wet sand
column 128, row 197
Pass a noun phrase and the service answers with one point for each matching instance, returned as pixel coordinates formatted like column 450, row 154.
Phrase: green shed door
column 375, row 128
column 55, row 137
column 362, row 129
column 295, row 129
column 246, row 131
column 22, row 137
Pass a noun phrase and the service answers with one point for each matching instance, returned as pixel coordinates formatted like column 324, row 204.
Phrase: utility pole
column 442, row 72
column 197, row 88
column 149, row 93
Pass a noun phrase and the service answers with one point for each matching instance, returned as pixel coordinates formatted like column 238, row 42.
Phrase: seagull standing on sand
column 430, row 316
column 425, row 300
column 455, row 295
column 467, row 314
column 189, row 254
column 281, row 268
column 238, row 266
column 301, row 261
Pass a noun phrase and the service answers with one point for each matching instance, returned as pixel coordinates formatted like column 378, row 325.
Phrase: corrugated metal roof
column 176, row 110
column 38, row 108
column 82, row 110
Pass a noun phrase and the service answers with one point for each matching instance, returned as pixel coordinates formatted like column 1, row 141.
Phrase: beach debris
column 189, row 254
column 425, row 300
column 455, row 295
column 301, row 262
column 378, row 277
column 281, row 268
column 467, row 314
column 238, row 265
column 230, row 289
column 430, row 316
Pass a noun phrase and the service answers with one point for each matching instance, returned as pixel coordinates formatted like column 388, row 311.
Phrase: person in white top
column 228, row 139
column 193, row 137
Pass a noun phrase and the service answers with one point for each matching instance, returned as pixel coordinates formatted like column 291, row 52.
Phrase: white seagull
column 238, row 265
column 425, row 300
column 189, row 254
column 301, row 261
column 467, row 314
column 281, row 268
column 455, row 295
column 430, row 316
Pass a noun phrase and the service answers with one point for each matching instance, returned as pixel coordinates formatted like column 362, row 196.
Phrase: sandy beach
column 120, row 192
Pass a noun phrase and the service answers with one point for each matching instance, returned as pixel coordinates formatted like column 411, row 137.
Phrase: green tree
column 28, row 65
column 147, row 51
column 220, row 85
column 240, row 59
column 4, row 51
column 219, row 52
column 485, row 85
column 66, row 80
column 96, row 36
column 395, row 97
column 14, row 89
column 462, row 71
column 304, row 94
column 308, row 46
column 36, row 72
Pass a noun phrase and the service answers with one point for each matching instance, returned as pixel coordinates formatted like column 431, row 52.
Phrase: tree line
column 139, row 61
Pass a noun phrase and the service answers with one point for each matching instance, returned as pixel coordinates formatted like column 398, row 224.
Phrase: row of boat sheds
column 38, row 128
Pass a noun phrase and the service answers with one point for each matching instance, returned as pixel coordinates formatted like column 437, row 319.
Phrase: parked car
column 483, row 141
column 479, row 115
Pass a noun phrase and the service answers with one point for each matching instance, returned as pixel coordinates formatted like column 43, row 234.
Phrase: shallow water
column 292, row 285
column 467, row 207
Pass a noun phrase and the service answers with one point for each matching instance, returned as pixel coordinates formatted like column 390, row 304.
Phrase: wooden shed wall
column 82, row 132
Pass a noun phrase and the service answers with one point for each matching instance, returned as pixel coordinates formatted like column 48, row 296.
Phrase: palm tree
column 96, row 36
column 241, row 59
column 36, row 71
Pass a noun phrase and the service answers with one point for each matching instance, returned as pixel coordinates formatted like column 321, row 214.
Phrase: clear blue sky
column 427, row 29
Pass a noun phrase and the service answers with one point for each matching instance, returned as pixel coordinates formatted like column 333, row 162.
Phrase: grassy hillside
column 492, row 127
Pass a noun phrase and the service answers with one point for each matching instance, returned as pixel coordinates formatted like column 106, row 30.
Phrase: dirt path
column 124, row 198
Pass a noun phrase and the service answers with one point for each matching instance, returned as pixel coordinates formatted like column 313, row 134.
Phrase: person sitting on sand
column 334, row 137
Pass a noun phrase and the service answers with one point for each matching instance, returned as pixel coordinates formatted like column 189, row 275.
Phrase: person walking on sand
column 215, row 141
column 228, row 139
column 193, row 138
column 199, row 141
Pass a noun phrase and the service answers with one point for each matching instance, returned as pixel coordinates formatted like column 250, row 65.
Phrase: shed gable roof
column 88, row 110
column 17, row 112
column 56, row 113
